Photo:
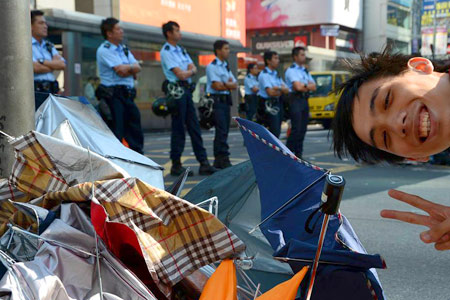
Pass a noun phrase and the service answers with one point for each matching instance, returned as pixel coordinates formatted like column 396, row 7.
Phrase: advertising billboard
column 233, row 19
column 278, row 13
column 224, row 18
column 198, row 16
column 442, row 13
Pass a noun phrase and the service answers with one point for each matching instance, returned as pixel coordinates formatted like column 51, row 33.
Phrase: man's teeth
column 424, row 129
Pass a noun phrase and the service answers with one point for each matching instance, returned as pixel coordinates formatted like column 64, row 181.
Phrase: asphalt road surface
column 414, row 270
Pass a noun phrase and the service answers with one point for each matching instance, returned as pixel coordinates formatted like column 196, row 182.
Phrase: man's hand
column 230, row 84
column 255, row 89
column 284, row 89
column 311, row 87
column 438, row 218
column 193, row 68
column 39, row 68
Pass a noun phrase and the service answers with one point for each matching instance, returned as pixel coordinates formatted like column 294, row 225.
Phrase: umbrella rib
column 289, row 201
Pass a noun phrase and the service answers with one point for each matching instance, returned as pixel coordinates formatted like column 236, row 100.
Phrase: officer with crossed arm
column 46, row 58
column 117, row 68
column 251, row 85
column 178, row 68
column 220, row 81
column 300, row 83
column 271, row 87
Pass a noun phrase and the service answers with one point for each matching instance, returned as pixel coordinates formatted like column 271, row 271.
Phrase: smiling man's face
column 407, row 115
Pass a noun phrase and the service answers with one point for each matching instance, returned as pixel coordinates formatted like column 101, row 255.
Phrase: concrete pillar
column 233, row 64
column 72, row 49
column 16, row 78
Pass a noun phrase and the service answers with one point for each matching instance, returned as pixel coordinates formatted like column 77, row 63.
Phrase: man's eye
column 386, row 100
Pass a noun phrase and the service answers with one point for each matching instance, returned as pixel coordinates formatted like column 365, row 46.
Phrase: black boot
column 222, row 162
column 206, row 168
column 177, row 169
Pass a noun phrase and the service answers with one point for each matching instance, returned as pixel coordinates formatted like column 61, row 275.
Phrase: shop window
column 398, row 15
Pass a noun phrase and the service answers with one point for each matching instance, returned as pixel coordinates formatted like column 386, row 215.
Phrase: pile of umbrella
column 73, row 226
column 81, row 220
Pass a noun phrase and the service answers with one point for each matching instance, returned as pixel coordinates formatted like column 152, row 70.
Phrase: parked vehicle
column 322, row 102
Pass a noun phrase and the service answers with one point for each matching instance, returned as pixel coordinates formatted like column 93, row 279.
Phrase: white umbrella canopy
column 91, row 132
column 67, row 269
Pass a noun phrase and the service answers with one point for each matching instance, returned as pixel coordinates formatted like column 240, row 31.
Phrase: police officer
column 46, row 58
column 117, row 68
column 179, row 69
column 220, row 81
column 271, row 87
column 299, row 82
column 251, row 86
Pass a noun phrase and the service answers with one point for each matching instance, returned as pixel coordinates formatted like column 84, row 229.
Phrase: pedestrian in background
column 178, row 68
column 251, row 86
column 118, row 68
column 300, row 83
column 46, row 58
column 220, row 81
column 271, row 87
column 89, row 90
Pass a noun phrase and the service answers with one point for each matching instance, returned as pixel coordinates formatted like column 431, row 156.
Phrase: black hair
column 249, row 67
column 35, row 13
column 219, row 45
column 108, row 25
column 296, row 50
column 268, row 56
column 166, row 27
column 370, row 67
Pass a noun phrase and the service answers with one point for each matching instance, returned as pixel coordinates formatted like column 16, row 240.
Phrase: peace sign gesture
column 438, row 218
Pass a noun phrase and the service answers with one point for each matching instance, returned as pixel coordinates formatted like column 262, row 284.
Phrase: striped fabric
column 175, row 236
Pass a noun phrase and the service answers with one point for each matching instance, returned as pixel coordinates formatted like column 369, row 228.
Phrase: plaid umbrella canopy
column 173, row 236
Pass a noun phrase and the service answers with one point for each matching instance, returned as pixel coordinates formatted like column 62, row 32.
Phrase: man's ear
column 420, row 64
column 420, row 159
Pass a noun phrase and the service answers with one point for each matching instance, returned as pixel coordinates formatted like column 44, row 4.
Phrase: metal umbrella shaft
column 323, row 232
column 331, row 199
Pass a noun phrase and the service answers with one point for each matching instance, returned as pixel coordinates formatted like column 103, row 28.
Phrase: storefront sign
column 281, row 44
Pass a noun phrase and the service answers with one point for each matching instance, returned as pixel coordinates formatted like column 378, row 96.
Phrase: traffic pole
column 16, row 77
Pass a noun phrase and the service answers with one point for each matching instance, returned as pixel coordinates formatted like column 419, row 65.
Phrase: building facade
column 391, row 22
column 331, row 30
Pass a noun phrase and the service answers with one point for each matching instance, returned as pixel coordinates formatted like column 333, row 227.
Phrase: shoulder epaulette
column 214, row 62
column 293, row 66
column 264, row 71
column 107, row 45
column 167, row 47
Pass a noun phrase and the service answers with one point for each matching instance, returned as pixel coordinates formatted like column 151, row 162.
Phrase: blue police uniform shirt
column 309, row 77
column 174, row 57
column 267, row 79
column 41, row 51
column 218, row 71
column 295, row 73
column 250, row 81
column 110, row 56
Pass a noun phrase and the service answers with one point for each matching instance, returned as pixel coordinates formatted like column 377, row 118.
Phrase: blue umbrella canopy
column 290, row 194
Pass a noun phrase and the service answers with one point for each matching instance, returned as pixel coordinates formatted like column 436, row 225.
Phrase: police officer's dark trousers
column 126, row 117
column 42, row 89
column 299, row 113
column 252, row 104
column 272, row 120
column 185, row 117
column 222, row 118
